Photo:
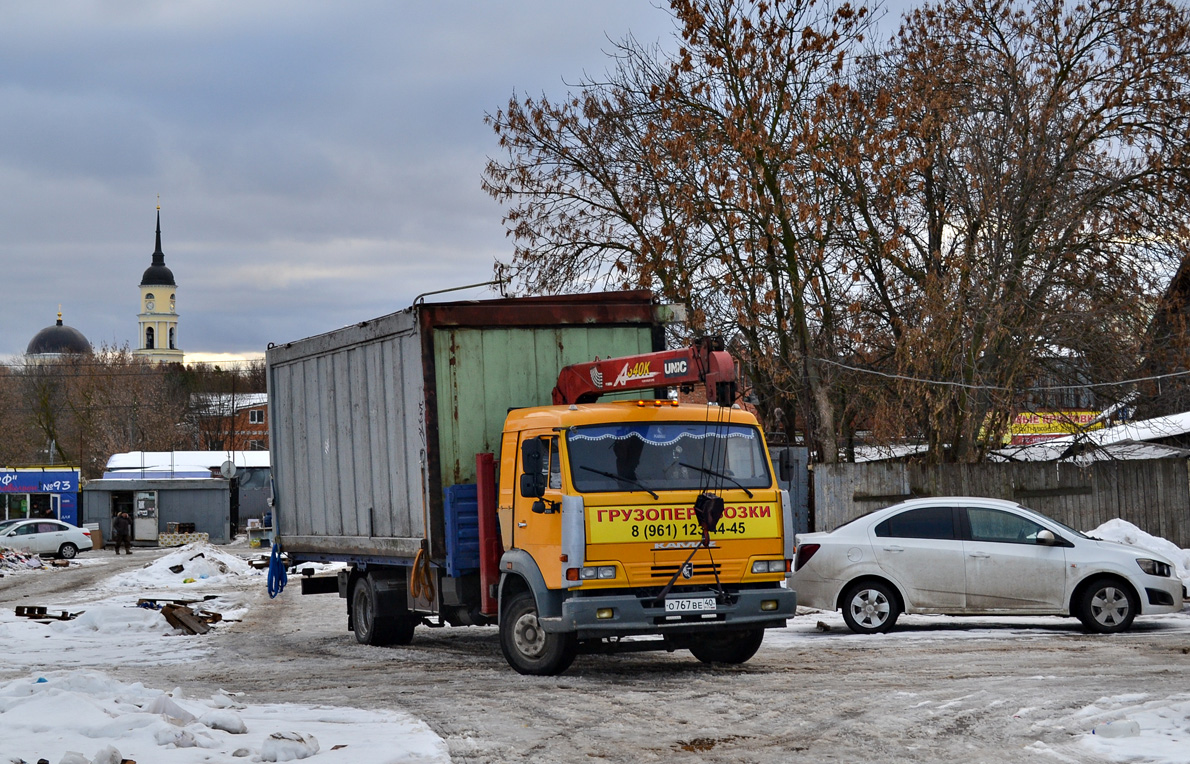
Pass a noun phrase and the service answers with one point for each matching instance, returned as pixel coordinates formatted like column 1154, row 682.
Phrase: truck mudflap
column 691, row 612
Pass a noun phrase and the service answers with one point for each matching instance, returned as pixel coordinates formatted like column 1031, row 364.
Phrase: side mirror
column 1046, row 538
column 785, row 466
column 533, row 462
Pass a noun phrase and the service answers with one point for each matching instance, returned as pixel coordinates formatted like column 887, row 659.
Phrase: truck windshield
column 666, row 456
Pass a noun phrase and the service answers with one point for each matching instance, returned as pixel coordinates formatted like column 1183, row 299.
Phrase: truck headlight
column 1154, row 567
column 768, row 566
column 598, row 571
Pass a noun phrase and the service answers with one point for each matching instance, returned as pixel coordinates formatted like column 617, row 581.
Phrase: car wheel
column 730, row 647
column 527, row 647
column 68, row 551
column 870, row 608
column 1107, row 606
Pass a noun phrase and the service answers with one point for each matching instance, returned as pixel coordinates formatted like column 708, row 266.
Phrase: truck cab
column 602, row 540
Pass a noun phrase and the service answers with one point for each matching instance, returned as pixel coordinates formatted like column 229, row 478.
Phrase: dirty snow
column 76, row 706
column 68, row 689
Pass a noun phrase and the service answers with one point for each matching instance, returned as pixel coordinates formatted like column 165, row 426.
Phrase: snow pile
column 1123, row 532
column 195, row 562
column 87, row 717
column 1136, row 728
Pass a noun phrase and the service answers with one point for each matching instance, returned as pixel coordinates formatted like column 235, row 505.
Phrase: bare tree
column 1019, row 177
column 697, row 174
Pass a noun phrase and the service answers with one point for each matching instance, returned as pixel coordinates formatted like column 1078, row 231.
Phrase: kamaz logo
column 676, row 368
column 597, row 377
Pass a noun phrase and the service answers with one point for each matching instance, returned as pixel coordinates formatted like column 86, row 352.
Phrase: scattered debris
column 176, row 568
column 14, row 559
column 182, row 617
column 39, row 613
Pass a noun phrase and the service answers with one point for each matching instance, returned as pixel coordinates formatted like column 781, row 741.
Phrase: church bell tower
column 158, row 317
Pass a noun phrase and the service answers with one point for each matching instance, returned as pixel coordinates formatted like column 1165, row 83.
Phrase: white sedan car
column 45, row 536
column 971, row 556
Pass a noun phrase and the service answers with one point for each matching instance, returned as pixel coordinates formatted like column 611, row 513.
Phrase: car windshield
column 665, row 456
column 1061, row 525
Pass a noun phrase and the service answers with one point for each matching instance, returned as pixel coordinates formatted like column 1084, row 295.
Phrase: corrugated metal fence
column 1153, row 495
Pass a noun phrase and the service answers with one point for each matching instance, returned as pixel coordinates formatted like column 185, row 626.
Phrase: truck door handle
column 894, row 549
column 521, row 524
column 980, row 555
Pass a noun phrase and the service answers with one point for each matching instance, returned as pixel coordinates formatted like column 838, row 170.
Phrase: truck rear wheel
column 371, row 626
column 728, row 647
column 527, row 647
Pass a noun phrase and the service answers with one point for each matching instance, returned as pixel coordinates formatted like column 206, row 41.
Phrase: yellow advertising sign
column 616, row 525
column 1054, row 422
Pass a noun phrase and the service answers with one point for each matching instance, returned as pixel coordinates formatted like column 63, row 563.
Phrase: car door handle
column 894, row 549
column 980, row 554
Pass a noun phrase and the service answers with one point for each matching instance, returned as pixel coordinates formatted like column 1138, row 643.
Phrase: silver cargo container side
column 348, row 438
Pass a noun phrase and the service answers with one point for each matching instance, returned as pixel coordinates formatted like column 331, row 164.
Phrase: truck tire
column 527, row 647
column 729, row 647
column 372, row 627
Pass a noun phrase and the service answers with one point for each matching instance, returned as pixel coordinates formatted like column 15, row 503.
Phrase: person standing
column 122, row 527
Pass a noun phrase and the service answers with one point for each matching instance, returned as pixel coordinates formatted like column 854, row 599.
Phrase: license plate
column 690, row 605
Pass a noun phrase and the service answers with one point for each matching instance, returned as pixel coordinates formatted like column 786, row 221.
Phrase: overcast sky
column 318, row 163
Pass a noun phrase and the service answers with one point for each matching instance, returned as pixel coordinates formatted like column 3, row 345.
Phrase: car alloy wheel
column 870, row 608
column 1107, row 606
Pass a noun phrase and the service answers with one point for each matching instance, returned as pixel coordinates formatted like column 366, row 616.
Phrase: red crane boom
column 705, row 362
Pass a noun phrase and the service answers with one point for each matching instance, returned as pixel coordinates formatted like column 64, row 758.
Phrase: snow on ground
column 70, row 711
column 97, row 718
column 1126, row 728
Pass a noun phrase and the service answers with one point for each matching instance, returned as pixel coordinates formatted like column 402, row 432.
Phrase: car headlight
column 1154, row 567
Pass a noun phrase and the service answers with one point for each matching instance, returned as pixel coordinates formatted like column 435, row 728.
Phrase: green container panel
column 482, row 373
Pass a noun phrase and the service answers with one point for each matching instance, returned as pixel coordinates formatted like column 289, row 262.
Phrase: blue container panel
column 462, row 529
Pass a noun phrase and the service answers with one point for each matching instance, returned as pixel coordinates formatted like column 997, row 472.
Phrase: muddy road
column 969, row 691
column 935, row 690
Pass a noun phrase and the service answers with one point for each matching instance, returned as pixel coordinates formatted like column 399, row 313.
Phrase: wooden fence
column 1152, row 494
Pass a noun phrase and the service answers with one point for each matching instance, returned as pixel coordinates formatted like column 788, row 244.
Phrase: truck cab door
column 537, row 520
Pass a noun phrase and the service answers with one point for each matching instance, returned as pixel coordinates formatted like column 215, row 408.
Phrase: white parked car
column 45, row 536
column 972, row 556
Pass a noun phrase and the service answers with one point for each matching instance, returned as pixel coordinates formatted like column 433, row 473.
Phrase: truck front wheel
column 527, row 647
column 370, row 625
column 728, row 647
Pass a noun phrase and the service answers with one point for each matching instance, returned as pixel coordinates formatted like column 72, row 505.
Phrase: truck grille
column 703, row 569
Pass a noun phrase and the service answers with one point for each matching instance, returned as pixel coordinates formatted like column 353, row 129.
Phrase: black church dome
column 158, row 274
column 58, row 339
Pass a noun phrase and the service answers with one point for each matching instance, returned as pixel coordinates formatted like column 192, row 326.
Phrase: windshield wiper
column 716, row 473
column 614, row 476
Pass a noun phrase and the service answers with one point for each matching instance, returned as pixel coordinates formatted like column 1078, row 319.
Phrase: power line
column 1000, row 388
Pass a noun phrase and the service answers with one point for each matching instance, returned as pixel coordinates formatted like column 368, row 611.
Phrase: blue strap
column 277, row 575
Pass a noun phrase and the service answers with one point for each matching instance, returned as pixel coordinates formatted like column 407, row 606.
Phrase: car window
column 25, row 530
column 922, row 523
column 50, row 527
column 997, row 525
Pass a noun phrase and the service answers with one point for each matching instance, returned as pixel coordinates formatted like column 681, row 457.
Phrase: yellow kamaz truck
column 475, row 463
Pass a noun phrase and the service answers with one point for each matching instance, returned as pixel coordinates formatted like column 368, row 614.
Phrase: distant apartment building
column 232, row 421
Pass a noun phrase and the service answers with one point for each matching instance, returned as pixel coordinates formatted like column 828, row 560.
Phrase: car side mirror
column 1046, row 538
column 533, row 479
